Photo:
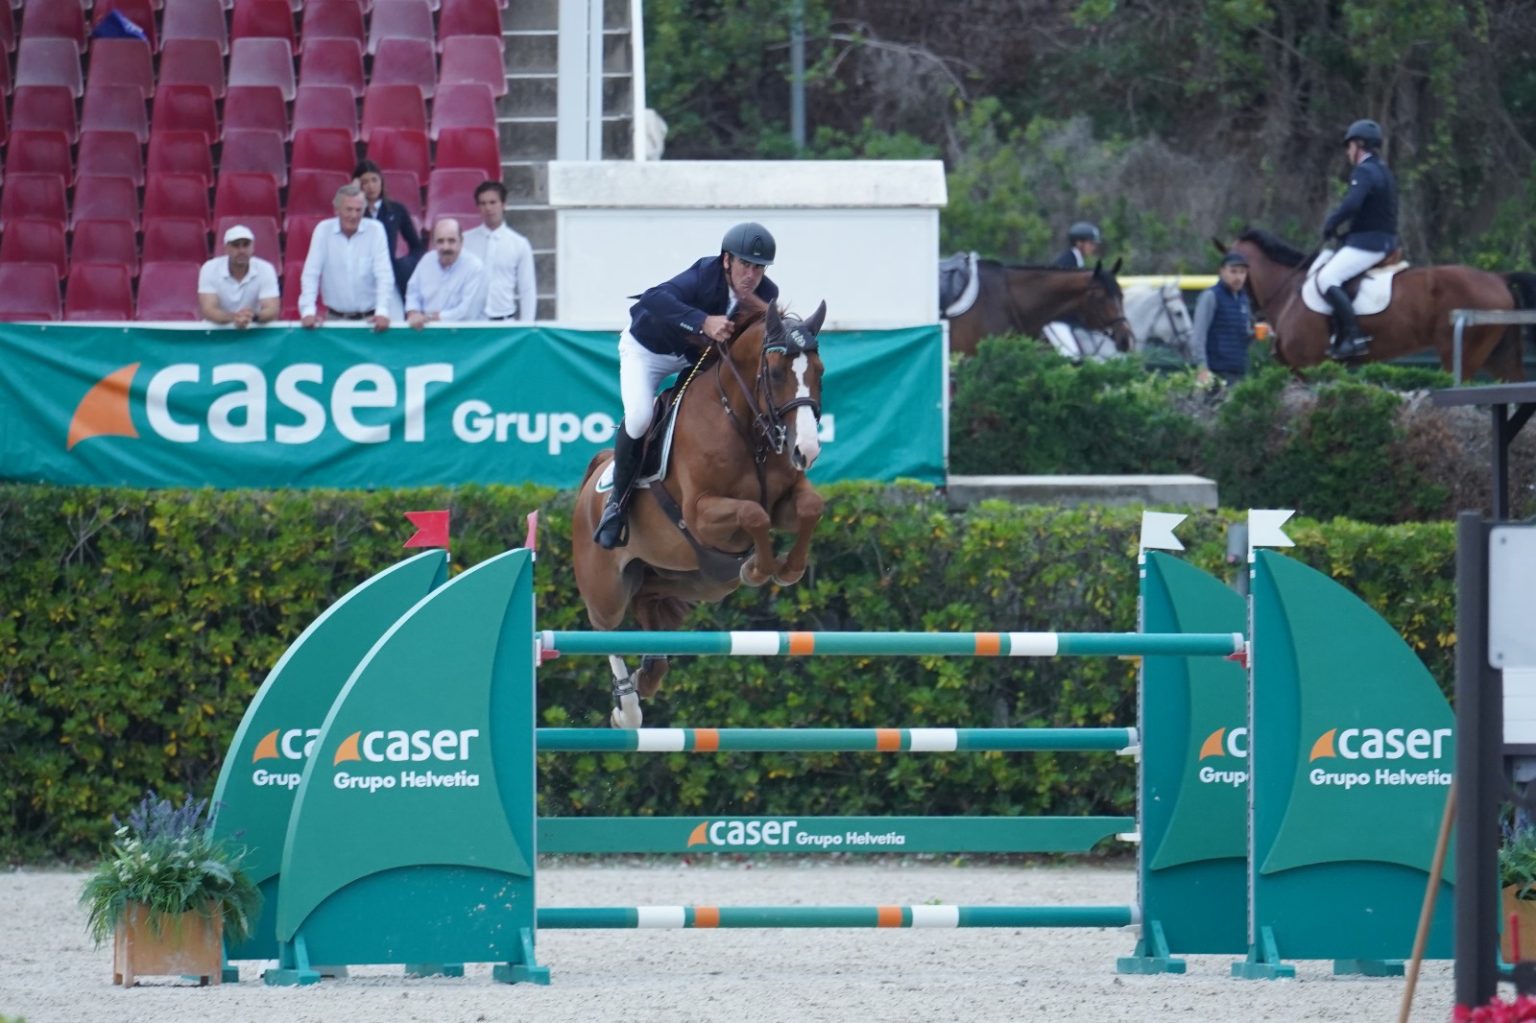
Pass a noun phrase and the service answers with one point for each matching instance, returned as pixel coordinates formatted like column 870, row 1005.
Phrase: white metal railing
column 1462, row 318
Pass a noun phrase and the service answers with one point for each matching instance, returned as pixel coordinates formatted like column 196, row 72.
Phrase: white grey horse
column 1157, row 316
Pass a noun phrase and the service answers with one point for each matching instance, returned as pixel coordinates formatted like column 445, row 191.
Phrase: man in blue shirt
column 1370, row 207
column 448, row 284
column 1223, row 325
column 669, row 327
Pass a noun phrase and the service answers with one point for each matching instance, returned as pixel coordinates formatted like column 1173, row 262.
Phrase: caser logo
column 401, row 747
column 1381, row 743
column 287, row 744
column 737, row 834
column 1225, row 742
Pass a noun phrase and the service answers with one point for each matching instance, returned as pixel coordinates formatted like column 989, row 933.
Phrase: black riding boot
column 611, row 529
column 1348, row 342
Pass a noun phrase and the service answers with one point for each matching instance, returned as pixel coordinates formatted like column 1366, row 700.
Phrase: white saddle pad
column 605, row 481
column 1375, row 292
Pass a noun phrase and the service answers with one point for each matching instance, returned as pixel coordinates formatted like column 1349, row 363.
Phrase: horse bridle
column 767, row 420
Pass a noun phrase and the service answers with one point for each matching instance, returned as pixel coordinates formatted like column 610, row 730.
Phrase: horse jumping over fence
column 735, row 470
column 1417, row 317
column 1023, row 299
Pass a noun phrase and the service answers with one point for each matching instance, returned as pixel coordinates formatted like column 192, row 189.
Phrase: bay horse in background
column 1418, row 317
column 1023, row 299
column 744, row 436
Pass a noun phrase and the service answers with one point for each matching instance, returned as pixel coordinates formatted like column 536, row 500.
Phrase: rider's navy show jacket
column 1370, row 206
column 668, row 317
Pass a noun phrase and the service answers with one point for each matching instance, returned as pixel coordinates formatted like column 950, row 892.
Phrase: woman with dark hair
column 395, row 218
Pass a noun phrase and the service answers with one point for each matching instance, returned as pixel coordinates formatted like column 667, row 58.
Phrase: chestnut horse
column 1418, row 317
column 746, row 433
column 1023, row 299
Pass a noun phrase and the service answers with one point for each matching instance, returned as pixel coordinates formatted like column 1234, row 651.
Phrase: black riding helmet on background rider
column 1083, row 231
column 1366, row 132
column 750, row 242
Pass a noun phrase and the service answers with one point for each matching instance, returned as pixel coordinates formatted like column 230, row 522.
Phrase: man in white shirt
column 511, row 290
column 238, row 288
column 349, row 264
column 448, row 284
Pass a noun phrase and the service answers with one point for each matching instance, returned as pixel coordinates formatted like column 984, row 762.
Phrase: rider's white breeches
column 1347, row 262
column 640, row 370
column 1063, row 340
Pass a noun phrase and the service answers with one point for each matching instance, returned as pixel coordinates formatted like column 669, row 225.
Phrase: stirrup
column 1350, row 348
column 613, row 511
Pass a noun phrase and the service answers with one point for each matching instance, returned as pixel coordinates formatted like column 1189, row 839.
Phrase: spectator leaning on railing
column 511, row 290
column 449, row 284
column 348, row 263
column 238, row 288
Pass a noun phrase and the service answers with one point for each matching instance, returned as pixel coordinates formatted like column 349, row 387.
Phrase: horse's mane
column 1273, row 247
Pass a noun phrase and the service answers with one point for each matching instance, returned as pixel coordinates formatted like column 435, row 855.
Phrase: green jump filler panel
column 265, row 762
column 1352, row 752
column 413, row 828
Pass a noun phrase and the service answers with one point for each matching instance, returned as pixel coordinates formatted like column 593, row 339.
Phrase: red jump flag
column 431, row 529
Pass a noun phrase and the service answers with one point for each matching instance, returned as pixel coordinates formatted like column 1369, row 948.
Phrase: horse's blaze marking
column 706, row 740
column 888, row 740
column 802, row 643
column 706, row 916
column 887, row 916
column 989, row 644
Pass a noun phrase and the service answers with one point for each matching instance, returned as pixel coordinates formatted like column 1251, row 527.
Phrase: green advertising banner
column 344, row 407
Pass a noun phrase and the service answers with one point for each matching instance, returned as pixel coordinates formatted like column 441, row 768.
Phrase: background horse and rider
column 1418, row 316
column 1015, row 299
column 733, row 470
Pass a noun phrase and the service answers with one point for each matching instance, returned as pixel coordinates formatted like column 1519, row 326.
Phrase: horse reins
column 769, row 419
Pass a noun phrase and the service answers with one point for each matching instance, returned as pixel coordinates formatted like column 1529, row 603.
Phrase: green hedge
column 135, row 627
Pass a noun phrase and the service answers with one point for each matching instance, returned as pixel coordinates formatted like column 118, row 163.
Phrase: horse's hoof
column 626, row 714
column 751, row 576
column 789, row 578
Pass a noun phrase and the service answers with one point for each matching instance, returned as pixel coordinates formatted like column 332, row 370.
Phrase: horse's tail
column 1522, row 286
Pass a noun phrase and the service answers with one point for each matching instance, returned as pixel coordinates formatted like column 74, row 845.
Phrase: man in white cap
column 448, row 284
column 238, row 288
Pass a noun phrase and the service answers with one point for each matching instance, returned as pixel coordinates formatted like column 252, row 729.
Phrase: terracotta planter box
column 1525, row 912
column 189, row 946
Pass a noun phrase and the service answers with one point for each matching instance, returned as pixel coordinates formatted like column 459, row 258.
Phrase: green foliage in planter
column 166, row 859
column 1517, row 860
column 135, row 627
column 1021, row 408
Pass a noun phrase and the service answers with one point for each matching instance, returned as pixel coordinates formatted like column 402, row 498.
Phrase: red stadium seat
column 55, row 19
column 312, row 193
column 330, row 149
column 326, row 106
column 7, row 28
column 5, row 72
column 98, row 291
column 33, row 197
column 177, row 195
column 333, row 62
column 40, row 152
column 405, row 188
column 105, row 241
column 106, row 198
column 265, row 230
column 405, row 19
column 193, row 62
column 478, row 148
column 469, row 18
column 140, row 12
column 393, row 106
column 243, row 194
column 35, row 241
column 181, row 152
column 468, row 105
column 473, row 59
column 333, row 19
column 401, row 149
column 44, row 108
column 263, row 19
column 47, row 60
column 451, row 193
column 29, row 291
column 194, row 19
column 299, row 230
column 256, row 151
column 108, row 108
column 123, row 63
column 256, row 108
column 293, row 274
column 184, row 108
column 173, row 240
column 406, row 62
column 262, row 61
column 111, row 152
column 168, row 291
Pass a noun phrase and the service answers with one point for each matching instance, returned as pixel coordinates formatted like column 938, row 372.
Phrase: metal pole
column 797, row 75
column 1461, row 325
column 1500, row 462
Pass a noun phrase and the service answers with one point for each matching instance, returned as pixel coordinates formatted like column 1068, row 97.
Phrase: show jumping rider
column 1084, row 239
column 1370, row 206
column 668, row 327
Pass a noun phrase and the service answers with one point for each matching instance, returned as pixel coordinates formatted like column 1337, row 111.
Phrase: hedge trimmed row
column 135, row 627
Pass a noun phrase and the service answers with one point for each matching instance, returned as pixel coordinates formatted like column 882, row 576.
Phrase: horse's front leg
column 800, row 509
column 718, row 518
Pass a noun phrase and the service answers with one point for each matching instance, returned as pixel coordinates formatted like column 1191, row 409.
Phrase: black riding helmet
column 750, row 241
column 1082, row 231
column 1364, row 130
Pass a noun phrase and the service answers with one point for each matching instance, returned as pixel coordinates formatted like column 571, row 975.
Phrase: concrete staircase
column 527, row 117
